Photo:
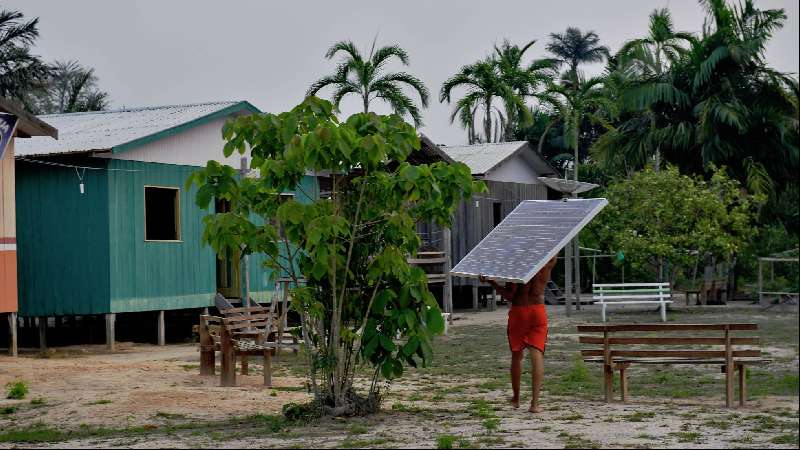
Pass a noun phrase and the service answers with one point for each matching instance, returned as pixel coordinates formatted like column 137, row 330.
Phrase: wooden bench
column 620, row 346
column 242, row 332
column 632, row 294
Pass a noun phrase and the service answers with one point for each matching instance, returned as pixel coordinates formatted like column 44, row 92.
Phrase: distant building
column 14, row 123
column 107, row 224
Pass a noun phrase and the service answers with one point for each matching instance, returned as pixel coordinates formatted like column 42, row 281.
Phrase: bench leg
column 729, row 385
column 608, row 378
column 623, row 383
column 268, row 368
column 742, row 384
column 228, row 372
column 663, row 312
column 603, row 312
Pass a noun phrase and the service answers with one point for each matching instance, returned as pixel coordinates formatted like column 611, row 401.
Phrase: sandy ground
column 156, row 388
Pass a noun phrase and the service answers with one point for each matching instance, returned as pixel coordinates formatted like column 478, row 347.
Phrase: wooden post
column 110, row 332
column 228, row 372
column 162, row 339
column 728, row 368
column 608, row 373
column 42, row 323
column 494, row 299
column 12, row 334
column 207, row 354
column 623, row 382
column 475, row 297
column 568, row 278
column 267, row 366
column 742, row 385
column 577, row 247
column 760, row 282
column 447, row 300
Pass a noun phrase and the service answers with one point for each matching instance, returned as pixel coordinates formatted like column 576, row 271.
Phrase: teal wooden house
column 105, row 224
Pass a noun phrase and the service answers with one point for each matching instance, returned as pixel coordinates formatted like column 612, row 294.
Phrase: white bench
column 632, row 294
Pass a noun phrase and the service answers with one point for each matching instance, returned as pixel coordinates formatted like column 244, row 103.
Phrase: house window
column 162, row 214
column 497, row 213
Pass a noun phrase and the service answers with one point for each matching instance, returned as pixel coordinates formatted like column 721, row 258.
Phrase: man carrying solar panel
column 527, row 328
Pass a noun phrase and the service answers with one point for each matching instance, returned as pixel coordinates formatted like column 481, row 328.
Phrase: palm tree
column 572, row 104
column 363, row 77
column 484, row 85
column 71, row 87
column 574, row 47
column 20, row 71
column 646, row 61
column 523, row 79
column 662, row 47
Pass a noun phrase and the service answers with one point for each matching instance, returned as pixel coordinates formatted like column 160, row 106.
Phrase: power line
column 71, row 166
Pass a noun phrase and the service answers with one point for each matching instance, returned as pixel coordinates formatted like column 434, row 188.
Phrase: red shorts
column 527, row 327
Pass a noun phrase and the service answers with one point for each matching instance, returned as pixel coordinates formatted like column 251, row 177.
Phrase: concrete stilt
column 475, row 296
column 42, row 324
column 12, row 332
column 110, row 332
column 162, row 338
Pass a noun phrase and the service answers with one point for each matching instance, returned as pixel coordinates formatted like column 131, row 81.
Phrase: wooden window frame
column 178, row 224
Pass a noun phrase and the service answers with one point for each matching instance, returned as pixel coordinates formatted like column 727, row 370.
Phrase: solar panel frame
column 516, row 219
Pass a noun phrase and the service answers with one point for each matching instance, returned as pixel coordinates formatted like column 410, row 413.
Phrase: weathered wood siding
column 474, row 218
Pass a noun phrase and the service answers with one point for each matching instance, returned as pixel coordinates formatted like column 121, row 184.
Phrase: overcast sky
column 268, row 52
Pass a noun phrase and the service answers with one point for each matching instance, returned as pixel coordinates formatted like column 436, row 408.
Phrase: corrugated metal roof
column 481, row 158
column 106, row 130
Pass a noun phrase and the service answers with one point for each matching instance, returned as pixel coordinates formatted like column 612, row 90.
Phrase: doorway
column 229, row 276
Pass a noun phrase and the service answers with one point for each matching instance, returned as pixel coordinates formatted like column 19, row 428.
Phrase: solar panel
column 517, row 248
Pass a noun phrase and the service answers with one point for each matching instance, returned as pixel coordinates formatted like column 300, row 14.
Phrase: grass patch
column 99, row 402
column 358, row 429
column 38, row 401
column 570, row 417
column 686, row 436
column 8, row 410
column 481, row 409
column 639, row 416
column 16, row 390
column 491, row 424
column 785, row 439
column 169, row 416
column 445, row 441
column 577, row 441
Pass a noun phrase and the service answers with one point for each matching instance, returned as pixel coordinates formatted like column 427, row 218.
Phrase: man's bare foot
column 535, row 409
column 514, row 402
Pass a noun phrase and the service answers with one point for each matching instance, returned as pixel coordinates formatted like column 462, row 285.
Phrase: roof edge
column 243, row 105
column 28, row 124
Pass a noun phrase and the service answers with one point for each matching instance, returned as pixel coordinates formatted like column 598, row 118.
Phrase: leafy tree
column 20, row 71
column 662, row 217
column 364, row 77
column 358, row 298
column 574, row 47
column 719, row 103
column 70, row 87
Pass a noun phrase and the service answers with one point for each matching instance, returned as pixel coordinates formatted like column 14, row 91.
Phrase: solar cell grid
column 527, row 238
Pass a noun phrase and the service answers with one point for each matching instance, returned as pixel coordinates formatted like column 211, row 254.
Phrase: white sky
column 268, row 52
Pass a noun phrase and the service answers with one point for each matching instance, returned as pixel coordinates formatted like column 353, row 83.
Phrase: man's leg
column 537, row 373
column 516, row 375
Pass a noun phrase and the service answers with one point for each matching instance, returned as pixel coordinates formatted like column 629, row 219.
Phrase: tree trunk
column 487, row 121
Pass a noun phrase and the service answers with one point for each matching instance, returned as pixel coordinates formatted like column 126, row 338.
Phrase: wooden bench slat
column 668, row 340
column 668, row 327
column 697, row 354
column 630, row 291
column 613, row 285
column 244, row 318
column 240, row 325
column 239, row 310
column 749, row 361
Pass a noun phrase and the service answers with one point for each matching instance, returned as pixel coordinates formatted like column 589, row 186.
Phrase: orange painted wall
column 8, row 233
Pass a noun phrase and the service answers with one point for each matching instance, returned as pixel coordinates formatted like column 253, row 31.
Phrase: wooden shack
column 108, row 225
column 510, row 171
column 14, row 123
